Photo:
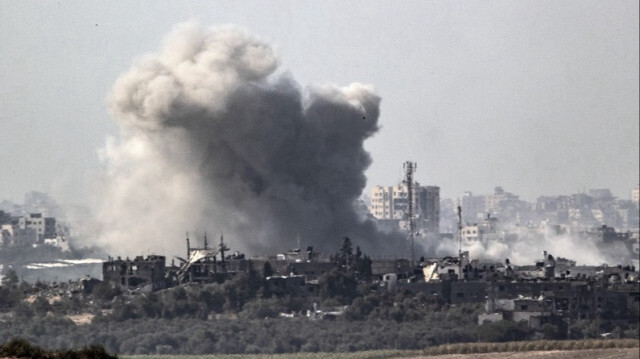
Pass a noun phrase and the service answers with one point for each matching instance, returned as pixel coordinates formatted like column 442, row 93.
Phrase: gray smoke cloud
column 214, row 138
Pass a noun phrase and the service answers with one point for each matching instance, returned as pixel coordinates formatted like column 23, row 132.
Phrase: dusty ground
column 81, row 319
column 613, row 353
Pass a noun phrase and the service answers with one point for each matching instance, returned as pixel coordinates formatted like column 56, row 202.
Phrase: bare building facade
column 140, row 272
column 392, row 203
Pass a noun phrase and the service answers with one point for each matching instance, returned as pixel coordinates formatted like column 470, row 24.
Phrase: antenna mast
column 409, row 170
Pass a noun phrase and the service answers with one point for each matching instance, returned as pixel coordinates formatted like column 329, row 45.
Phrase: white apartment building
column 43, row 227
column 392, row 203
column 635, row 195
column 389, row 202
column 471, row 233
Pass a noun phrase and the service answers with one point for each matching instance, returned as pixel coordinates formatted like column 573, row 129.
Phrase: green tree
column 41, row 305
column 345, row 258
column 212, row 297
column 339, row 285
column 10, row 279
column 501, row 331
column 23, row 311
column 583, row 329
column 104, row 291
column 267, row 269
column 362, row 266
column 9, row 298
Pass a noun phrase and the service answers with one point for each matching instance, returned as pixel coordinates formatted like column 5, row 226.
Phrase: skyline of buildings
column 588, row 209
column 500, row 215
column 390, row 203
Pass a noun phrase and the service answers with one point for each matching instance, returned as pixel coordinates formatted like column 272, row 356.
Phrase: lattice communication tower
column 409, row 169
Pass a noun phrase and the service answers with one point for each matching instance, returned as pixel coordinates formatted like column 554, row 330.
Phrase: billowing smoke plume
column 213, row 139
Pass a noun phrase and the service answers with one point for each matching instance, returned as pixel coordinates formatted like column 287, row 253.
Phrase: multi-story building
column 494, row 202
column 635, row 195
column 601, row 194
column 471, row 233
column 7, row 237
column 128, row 274
column 554, row 209
column 382, row 201
column 583, row 211
column 392, row 203
column 486, row 230
column 43, row 227
column 4, row 217
column 473, row 207
column 428, row 198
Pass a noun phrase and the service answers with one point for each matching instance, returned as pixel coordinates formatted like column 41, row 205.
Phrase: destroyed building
column 537, row 294
column 311, row 270
column 140, row 272
column 401, row 267
column 293, row 285
column 552, row 290
column 208, row 264
column 298, row 262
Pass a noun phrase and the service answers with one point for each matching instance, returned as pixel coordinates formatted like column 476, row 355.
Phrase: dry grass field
column 541, row 349
column 611, row 353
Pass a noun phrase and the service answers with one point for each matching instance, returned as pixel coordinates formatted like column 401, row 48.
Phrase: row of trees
column 237, row 335
column 20, row 348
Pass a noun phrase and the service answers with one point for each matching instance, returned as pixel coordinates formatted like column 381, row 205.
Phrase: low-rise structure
column 147, row 273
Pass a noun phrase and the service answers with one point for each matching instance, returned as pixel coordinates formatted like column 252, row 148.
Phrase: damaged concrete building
column 146, row 273
column 552, row 290
column 536, row 294
column 208, row 264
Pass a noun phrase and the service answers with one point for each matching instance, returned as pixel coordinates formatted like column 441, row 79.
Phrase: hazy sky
column 540, row 97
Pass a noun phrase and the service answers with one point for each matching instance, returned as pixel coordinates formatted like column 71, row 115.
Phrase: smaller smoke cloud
column 525, row 251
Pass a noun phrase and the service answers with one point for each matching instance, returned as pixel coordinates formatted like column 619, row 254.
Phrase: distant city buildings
column 30, row 229
column 595, row 215
column 34, row 202
column 32, row 223
column 583, row 211
column 577, row 212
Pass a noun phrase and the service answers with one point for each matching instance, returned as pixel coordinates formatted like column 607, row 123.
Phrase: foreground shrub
column 501, row 331
column 21, row 348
